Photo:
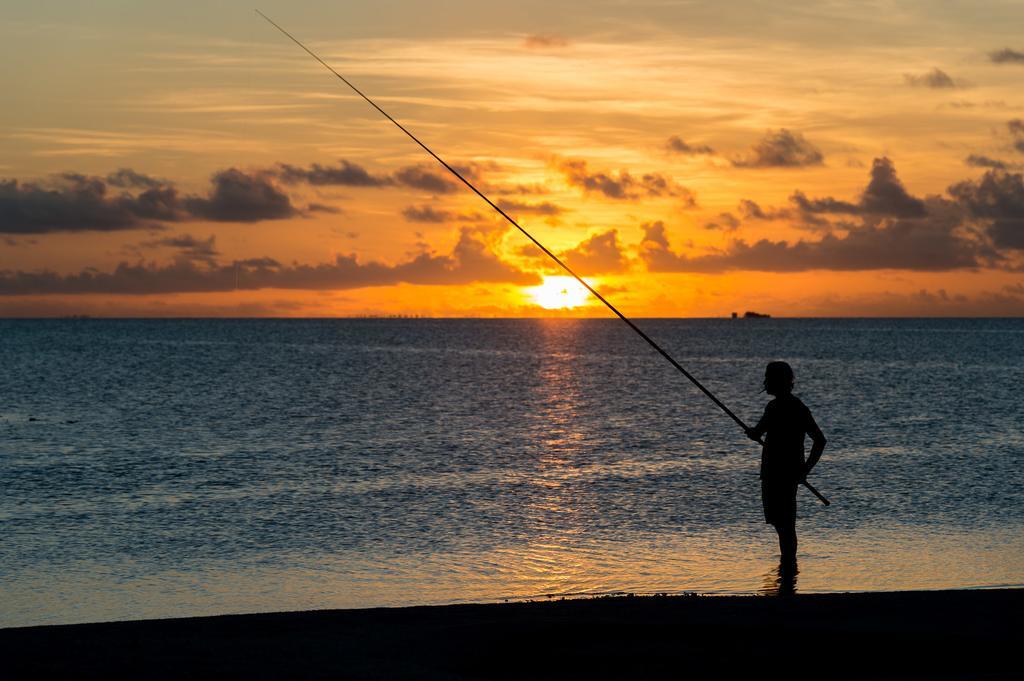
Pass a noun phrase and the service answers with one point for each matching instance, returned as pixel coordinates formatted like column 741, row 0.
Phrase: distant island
column 751, row 315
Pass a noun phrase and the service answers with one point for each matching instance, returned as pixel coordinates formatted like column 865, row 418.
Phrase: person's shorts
column 778, row 497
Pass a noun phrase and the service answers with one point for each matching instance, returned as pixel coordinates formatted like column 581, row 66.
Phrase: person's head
column 778, row 378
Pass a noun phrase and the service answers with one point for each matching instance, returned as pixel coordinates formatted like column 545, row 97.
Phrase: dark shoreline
column 930, row 634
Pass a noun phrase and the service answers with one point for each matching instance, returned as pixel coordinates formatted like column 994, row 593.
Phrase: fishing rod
column 457, row 174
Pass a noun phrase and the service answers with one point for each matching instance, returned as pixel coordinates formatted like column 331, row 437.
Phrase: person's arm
column 757, row 431
column 818, row 443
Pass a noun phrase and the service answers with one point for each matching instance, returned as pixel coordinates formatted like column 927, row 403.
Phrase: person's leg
column 787, row 541
column 779, row 500
column 787, row 526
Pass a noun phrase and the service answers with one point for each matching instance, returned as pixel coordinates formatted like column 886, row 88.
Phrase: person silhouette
column 785, row 423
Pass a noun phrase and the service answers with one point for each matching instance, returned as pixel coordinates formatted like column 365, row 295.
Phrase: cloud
column 542, row 42
column 885, row 195
column 1016, row 128
column 521, row 207
column 240, row 197
column 600, row 253
column 63, row 306
column 470, row 261
column 926, row 245
column 726, row 222
column 419, row 177
column 895, row 231
column 511, row 189
column 73, row 202
column 475, row 170
column 322, row 208
column 751, row 210
column 940, row 302
column 348, row 174
column 1006, row 56
column 426, row 177
column 622, row 186
column 979, row 161
column 188, row 247
column 678, row 146
column 427, row 213
column 23, row 242
column 655, row 250
column 345, row 174
column 781, row 149
column 998, row 199
column 127, row 178
column 823, row 205
column 936, row 79
column 76, row 203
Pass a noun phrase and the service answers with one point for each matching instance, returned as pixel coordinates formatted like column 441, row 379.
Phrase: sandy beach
column 941, row 634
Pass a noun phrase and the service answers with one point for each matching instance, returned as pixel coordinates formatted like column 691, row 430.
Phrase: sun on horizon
column 559, row 293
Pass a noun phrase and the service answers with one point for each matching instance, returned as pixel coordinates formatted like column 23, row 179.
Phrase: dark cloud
column 823, row 205
column 67, row 306
column 521, row 207
column 988, row 104
column 427, row 213
column 979, row 161
column 936, row 78
column 655, row 250
column 678, row 146
column 726, row 222
column 188, row 247
column 160, row 203
column 348, row 174
column 72, row 202
column 622, row 186
column 475, row 170
column 322, row 208
column 345, row 174
column 1016, row 128
column 998, row 199
column 419, row 177
column 542, row 42
column 1006, row 56
column 940, row 302
column 76, row 203
column 600, row 253
column 422, row 176
column 470, row 261
column 885, row 195
column 128, row 178
column 781, row 149
column 241, row 197
column 921, row 244
column 752, row 211
column 511, row 189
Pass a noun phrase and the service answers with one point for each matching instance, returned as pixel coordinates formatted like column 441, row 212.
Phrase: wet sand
column 941, row 634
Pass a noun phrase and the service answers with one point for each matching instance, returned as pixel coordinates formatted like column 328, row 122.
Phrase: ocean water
column 189, row 467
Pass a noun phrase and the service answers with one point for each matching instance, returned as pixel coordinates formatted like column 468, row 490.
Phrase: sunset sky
column 689, row 158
